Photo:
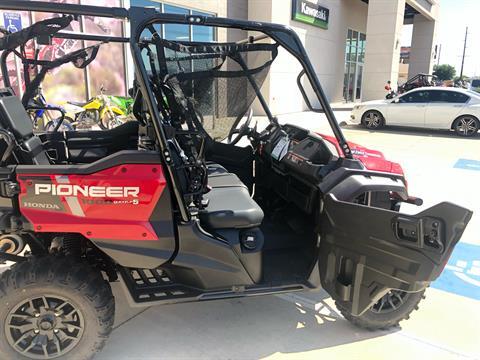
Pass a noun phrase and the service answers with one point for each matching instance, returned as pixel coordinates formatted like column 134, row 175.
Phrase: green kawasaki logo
column 310, row 13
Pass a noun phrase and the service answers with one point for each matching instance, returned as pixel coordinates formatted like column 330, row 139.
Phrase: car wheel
column 372, row 119
column 466, row 125
column 54, row 307
column 387, row 312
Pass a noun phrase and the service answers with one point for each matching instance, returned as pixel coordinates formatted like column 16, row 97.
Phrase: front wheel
column 66, row 125
column 466, row 125
column 387, row 312
column 373, row 120
column 54, row 307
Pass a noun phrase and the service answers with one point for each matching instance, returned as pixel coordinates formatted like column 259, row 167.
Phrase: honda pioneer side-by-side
column 175, row 210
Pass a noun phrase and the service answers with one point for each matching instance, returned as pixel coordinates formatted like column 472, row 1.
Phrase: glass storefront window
column 176, row 31
column 354, row 58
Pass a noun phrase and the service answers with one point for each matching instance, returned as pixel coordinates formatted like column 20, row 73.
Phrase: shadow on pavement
column 235, row 329
column 399, row 130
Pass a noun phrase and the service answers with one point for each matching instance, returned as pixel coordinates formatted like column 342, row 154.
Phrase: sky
column 455, row 15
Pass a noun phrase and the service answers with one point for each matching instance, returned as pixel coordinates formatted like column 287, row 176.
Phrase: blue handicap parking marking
column 467, row 164
column 462, row 273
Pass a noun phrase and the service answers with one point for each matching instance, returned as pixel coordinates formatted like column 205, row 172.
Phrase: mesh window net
column 216, row 81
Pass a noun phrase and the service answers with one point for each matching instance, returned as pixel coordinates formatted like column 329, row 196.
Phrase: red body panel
column 372, row 159
column 118, row 217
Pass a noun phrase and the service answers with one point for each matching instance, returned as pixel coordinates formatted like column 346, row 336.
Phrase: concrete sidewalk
column 306, row 325
column 303, row 325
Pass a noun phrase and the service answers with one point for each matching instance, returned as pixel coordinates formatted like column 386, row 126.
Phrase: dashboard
column 293, row 162
column 300, row 152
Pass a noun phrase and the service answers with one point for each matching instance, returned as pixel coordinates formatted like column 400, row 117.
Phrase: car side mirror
column 396, row 101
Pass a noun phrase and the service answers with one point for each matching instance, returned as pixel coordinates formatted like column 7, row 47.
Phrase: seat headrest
column 14, row 117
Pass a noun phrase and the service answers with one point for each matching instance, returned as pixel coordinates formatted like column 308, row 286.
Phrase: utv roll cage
column 141, row 18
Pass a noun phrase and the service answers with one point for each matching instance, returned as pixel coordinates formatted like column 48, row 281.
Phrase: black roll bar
column 4, row 68
column 89, row 37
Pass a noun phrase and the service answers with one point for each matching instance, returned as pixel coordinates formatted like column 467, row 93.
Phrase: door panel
column 408, row 109
column 406, row 114
column 366, row 251
column 441, row 115
column 443, row 108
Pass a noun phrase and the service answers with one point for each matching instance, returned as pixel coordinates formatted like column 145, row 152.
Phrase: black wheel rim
column 44, row 327
column 391, row 301
column 467, row 126
column 372, row 120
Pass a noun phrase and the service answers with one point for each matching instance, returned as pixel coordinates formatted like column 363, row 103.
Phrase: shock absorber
column 72, row 244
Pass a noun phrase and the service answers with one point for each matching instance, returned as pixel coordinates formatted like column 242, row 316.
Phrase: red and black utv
column 172, row 213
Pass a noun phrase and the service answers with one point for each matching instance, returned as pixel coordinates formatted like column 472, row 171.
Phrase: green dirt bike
column 125, row 104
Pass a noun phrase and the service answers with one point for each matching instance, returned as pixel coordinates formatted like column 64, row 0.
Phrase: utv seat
column 223, row 178
column 231, row 207
column 15, row 119
column 214, row 169
column 229, row 202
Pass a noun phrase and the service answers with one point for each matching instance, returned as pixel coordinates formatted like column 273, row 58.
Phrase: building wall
column 382, row 55
column 325, row 47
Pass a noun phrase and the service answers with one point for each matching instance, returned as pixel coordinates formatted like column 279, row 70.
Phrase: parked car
column 427, row 107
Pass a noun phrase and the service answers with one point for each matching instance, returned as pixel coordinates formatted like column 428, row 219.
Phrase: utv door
column 366, row 251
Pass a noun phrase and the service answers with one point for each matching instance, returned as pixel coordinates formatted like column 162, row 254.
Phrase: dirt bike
column 105, row 111
column 45, row 116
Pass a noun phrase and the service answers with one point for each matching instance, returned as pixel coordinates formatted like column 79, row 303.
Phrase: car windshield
column 218, row 81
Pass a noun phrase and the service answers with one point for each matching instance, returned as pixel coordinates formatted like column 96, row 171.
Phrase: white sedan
column 427, row 107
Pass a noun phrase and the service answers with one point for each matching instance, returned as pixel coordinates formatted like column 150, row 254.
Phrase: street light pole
column 463, row 56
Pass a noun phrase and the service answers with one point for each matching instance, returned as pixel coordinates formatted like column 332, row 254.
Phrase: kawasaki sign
column 310, row 13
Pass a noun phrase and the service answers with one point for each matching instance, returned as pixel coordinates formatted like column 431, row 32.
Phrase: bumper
column 355, row 118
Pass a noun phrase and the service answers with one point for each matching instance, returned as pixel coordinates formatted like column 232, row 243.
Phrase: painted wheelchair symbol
column 467, row 271
column 11, row 26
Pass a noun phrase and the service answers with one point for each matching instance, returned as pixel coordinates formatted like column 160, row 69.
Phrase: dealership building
column 354, row 45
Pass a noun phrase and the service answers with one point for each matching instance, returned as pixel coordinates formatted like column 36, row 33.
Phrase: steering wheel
column 243, row 130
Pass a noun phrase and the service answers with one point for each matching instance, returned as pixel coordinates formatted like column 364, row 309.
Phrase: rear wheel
column 466, row 125
column 54, row 307
column 373, row 120
column 387, row 312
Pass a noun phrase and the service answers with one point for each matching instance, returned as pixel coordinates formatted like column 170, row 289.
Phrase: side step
column 149, row 287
